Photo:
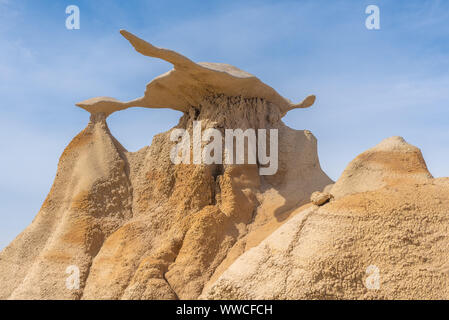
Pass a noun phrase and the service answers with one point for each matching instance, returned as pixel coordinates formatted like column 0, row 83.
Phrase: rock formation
column 388, row 223
column 140, row 227
column 393, row 161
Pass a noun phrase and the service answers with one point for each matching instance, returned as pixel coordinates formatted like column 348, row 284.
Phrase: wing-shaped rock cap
column 106, row 105
column 188, row 83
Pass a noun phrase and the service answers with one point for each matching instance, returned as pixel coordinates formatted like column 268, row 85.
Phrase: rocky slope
column 387, row 223
column 90, row 199
column 140, row 227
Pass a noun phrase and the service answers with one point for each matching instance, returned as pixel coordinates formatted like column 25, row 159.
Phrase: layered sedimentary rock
column 393, row 161
column 90, row 199
column 140, row 227
column 383, row 236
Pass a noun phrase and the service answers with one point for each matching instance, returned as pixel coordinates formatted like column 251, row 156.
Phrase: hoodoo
column 384, row 236
column 138, row 226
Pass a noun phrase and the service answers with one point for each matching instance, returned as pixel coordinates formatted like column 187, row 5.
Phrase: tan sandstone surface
column 389, row 215
column 140, row 227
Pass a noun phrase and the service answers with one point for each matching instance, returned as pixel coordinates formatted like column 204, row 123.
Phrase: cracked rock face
column 140, row 227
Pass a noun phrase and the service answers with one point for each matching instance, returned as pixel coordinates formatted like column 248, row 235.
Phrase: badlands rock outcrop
column 393, row 161
column 384, row 236
column 138, row 226
column 91, row 198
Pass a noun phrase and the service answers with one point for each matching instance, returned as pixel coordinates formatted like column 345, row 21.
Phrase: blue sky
column 370, row 84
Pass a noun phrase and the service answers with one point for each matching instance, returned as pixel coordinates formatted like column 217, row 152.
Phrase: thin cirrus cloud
column 369, row 84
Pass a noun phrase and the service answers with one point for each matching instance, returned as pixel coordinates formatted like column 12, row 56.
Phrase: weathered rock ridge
column 140, row 227
column 383, row 236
